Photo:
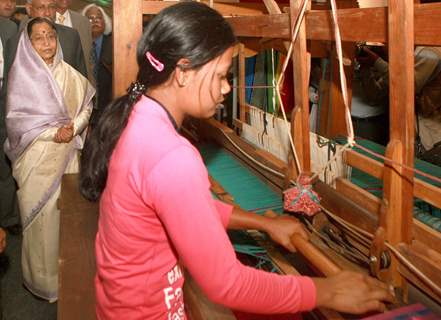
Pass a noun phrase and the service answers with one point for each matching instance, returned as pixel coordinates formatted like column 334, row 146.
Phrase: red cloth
column 157, row 213
column 301, row 198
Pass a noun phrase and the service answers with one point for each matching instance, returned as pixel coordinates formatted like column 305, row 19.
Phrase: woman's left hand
column 282, row 228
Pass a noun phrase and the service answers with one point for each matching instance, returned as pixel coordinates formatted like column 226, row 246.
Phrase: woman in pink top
column 157, row 215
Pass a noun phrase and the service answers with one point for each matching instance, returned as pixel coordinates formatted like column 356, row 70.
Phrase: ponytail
column 189, row 30
column 102, row 140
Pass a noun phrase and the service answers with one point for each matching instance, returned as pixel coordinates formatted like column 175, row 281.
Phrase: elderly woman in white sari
column 48, row 108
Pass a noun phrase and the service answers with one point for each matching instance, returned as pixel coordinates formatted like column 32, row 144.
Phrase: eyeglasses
column 95, row 18
column 40, row 39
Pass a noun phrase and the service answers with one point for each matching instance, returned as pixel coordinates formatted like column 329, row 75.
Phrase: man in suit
column 9, row 214
column 7, row 8
column 103, row 49
column 69, row 18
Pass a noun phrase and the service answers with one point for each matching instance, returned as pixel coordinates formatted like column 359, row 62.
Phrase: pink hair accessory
column 154, row 62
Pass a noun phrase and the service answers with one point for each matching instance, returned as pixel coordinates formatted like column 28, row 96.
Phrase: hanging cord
column 343, row 83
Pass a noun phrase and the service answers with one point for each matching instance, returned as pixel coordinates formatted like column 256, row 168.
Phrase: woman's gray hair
column 107, row 19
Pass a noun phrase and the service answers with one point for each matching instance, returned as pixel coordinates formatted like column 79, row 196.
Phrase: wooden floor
column 78, row 226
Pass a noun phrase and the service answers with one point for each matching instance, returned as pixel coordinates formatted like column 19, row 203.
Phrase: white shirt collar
column 67, row 19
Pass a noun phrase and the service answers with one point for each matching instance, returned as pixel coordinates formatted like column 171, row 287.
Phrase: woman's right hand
column 64, row 134
column 352, row 292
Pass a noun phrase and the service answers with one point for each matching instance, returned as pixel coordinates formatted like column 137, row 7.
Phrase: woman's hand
column 64, row 134
column 282, row 228
column 352, row 292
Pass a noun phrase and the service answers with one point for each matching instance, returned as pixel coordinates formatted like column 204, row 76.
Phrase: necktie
column 61, row 19
column 94, row 61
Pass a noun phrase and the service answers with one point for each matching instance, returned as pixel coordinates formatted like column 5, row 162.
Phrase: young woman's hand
column 352, row 292
column 64, row 134
column 282, row 228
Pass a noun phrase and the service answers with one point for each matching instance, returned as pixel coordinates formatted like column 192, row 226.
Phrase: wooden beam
column 348, row 210
column 300, row 115
column 427, row 192
column 352, row 23
column 265, row 26
column 422, row 190
column 241, row 82
column 426, row 235
column 364, row 163
column 127, row 29
column 226, row 9
column 358, row 195
column 427, row 262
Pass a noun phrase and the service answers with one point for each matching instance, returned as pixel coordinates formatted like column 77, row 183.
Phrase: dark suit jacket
column 82, row 25
column 105, row 64
column 8, row 29
column 104, row 78
column 9, row 214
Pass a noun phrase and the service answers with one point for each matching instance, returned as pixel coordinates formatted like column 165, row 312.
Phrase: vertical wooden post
column 300, row 118
column 401, row 147
column 127, row 30
column 337, row 114
column 242, row 82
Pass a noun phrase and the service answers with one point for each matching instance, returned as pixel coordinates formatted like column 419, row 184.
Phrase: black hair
column 38, row 20
column 187, row 30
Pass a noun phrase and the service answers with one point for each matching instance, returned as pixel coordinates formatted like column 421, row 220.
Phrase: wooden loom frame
column 394, row 25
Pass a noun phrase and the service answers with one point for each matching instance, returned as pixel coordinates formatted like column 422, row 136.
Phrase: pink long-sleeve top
column 157, row 216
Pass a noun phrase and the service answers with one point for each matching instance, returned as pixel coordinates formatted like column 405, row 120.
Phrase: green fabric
column 256, row 196
column 249, row 192
column 423, row 211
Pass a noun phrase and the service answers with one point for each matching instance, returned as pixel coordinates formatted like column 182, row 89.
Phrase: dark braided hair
column 189, row 30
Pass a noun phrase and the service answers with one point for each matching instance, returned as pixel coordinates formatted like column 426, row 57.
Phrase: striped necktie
column 94, row 61
column 61, row 19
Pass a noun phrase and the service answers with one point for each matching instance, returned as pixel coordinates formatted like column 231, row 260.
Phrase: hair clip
column 135, row 91
column 154, row 62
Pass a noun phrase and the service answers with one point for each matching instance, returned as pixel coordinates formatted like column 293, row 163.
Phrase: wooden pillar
column 242, row 83
column 300, row 116
column 127, row 29
column 399, row 194
column 337, row 111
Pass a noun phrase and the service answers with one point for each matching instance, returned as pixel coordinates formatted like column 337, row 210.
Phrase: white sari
column 38, row 162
